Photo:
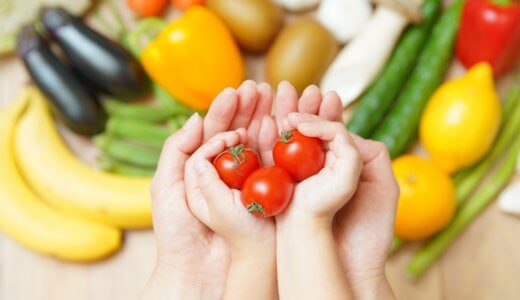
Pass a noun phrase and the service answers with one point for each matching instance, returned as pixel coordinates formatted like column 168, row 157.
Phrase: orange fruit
column 427, row 199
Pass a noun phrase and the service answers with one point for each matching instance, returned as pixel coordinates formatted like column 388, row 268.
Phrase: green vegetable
column 176, row 122
column 400, row 126
column 396, row 243
column 127, row 152
column 145, row 31
column 479, row 199
column 165, row 99
column 374, row 104
column 141, row 131
column 113, row 166
column 142, row 112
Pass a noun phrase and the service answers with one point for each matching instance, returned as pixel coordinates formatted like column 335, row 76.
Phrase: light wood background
column 484, row 263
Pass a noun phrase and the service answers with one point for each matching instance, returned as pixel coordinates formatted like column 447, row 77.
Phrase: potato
column 301, row 54
column 254, row 23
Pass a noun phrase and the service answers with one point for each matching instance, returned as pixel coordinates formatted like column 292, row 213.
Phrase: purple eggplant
column 110, row 67
column 70, row 99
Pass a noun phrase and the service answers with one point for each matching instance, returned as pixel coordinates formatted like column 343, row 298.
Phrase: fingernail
column 309, row 89
column 201, row 166
column 191, row 121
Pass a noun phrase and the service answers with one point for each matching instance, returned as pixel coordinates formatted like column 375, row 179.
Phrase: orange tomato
column 147, row 8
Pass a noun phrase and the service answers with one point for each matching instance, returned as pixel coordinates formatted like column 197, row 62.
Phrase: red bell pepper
column 490, row 31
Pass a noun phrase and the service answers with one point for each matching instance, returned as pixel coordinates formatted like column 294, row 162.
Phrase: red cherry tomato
column 236, row 164
column 300, row 155
column 147, row 8
column 267, row 191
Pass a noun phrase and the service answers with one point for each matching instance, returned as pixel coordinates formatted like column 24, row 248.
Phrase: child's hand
column 252, row 240
column 308, row 263
column 218, row 206
column 322, row 195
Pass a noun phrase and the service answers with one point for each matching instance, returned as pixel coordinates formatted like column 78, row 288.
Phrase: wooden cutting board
column 484, row 263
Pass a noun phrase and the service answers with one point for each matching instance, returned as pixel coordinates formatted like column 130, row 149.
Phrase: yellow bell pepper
column 462, row 119
column 194, row 58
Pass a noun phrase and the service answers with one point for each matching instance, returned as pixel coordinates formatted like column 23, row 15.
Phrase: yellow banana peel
column 28, row 220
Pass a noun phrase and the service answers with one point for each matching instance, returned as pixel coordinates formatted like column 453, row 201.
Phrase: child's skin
column 193, row 262
column 252, row 273
column 308, row 263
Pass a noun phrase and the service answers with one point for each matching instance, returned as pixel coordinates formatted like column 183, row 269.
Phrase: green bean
column 127, row 152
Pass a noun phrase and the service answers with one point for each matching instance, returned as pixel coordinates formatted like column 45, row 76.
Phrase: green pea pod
column 141, row 131
column 127, row 152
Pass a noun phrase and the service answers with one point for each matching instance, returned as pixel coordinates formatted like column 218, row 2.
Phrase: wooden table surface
column 484, row 263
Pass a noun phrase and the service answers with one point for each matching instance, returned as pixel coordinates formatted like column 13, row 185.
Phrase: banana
column 28, row 220
column 68, row 184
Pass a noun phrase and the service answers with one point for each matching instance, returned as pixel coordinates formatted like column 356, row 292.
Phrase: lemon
column 427, row 198
column 461, row 120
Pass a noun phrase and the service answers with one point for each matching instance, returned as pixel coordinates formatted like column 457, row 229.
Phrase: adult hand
column 192, row 262
column 364, row 228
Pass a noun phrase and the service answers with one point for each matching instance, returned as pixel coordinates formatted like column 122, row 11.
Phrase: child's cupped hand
column 218, row 206
column 320, row 196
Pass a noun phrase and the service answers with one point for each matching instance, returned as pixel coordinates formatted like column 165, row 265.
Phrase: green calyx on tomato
column 255, row 207
column 286, row 135
column 238, row 155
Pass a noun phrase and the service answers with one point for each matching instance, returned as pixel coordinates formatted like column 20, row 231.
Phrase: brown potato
column 254, row 23
column 301, row 54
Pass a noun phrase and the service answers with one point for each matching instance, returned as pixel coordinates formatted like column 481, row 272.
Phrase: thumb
column 213, row 189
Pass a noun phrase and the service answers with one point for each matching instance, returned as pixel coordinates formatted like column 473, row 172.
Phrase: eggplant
column 110, row 67
column 70, row 100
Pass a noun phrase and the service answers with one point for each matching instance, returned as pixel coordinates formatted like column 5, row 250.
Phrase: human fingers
column 286, row 101
column 316, row 127
column 331, row 107
column 175, row 152
column 242, row 136
column 267, row 137
column 213, row 189
column 310, row 100
column 247, row 99
column 377, row 163
column 263, row 108
column 347, row 166
column 220, row 113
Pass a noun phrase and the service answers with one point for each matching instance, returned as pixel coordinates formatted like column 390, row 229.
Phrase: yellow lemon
column 427, row 199
column 461, row 119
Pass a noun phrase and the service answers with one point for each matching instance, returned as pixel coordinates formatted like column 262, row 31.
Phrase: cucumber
column 399, row 127
column 374, row 104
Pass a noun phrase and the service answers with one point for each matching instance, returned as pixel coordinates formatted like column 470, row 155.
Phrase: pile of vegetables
column 459, row 121
column 390, row 57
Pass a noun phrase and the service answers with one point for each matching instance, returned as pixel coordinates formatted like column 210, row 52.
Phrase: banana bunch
column 53, row 203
